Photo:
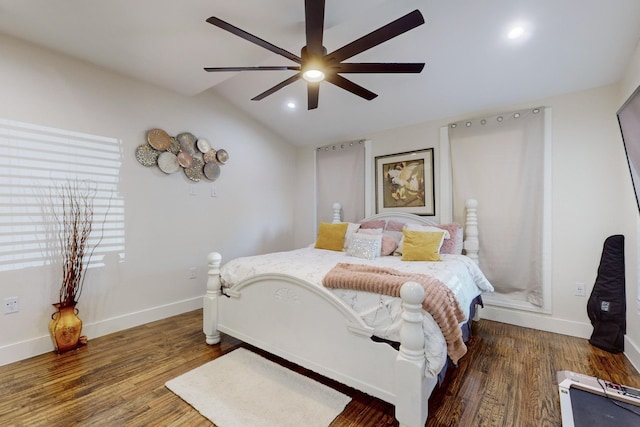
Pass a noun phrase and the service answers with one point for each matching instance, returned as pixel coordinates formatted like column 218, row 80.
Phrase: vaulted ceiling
column 471, row 63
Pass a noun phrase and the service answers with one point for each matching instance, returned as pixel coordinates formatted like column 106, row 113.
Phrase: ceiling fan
column 316, row 65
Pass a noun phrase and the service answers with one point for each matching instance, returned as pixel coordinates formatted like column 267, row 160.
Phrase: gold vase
column 65, row 328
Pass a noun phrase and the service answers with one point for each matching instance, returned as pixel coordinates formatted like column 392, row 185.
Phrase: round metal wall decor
column 195, row 156
column 211, row 171
column 210, row 156
column 175, row 145
column 203, row 145
column 222, row 156
column 159, row 139
column 146, row 155
column 168, row 162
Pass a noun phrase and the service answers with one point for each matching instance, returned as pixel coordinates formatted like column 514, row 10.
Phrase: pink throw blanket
column 439, row 301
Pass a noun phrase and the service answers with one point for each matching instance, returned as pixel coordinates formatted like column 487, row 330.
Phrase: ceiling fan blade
column 253, row 39
column 350, row 86
column 314, row 25
column 313, row 91
column 380, row 67
column 381, row 35
column 260, row 68
column 277, row 87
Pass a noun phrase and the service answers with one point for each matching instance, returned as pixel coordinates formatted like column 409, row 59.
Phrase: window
column 503, row 162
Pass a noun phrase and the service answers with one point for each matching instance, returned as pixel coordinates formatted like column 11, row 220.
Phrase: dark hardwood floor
column 508, row 378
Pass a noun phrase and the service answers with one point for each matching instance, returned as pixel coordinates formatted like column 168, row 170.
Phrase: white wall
column 168, row 231
column 592, row 199
column 628, row 84
column 305, row 200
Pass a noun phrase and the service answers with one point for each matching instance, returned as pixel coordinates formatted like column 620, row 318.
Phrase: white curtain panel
column 499, row 161
column 340, row 172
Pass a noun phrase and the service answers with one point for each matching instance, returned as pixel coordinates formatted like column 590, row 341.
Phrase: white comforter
column 381, row 312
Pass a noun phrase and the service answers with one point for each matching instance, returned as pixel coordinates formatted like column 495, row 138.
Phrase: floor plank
column 508, row 378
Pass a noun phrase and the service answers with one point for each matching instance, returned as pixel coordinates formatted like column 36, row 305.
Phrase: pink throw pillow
column 375, row 223
column 389, row 245
column 395, row 226
column 454, row 244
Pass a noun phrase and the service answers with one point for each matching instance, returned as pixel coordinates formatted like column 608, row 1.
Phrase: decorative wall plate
column 210, row 156
column 185, row 159
column 187, row 142
column 211, row 171
column 168, row 162
column 198, row 155
column 203, row 145
column 146, row 155
column 222, row 156
column 175, row 145
column 195, row 172
column 159, row 139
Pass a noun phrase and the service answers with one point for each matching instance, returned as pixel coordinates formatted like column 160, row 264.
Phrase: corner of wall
column 632, row 352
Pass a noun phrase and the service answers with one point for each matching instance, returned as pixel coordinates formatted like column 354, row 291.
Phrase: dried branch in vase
column 72, row 209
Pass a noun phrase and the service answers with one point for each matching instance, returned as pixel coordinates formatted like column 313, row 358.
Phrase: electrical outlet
column 580, row 290
column 193, row 273
column 11, row 305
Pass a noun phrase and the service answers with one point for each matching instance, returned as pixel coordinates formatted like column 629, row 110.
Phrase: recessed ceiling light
column 291, row 105
column 516, row 32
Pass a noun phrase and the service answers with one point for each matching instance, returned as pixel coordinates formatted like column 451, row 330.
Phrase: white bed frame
column 280, row 314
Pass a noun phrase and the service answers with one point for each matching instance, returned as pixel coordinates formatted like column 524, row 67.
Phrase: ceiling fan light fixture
column 516, row 32
column 316, row 65
column 313, row 75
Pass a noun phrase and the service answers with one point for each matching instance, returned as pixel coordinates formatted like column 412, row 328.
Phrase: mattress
column 380, row 312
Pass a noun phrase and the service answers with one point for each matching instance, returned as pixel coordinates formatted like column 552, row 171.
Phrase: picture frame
column 405, row 183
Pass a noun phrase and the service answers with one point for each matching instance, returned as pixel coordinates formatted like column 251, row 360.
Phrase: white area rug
column 243, row 389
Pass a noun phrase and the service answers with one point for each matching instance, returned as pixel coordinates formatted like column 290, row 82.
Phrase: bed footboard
column 210, row 303
column 408, row 387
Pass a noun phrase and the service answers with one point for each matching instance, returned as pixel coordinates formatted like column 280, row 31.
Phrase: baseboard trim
column 40, row 345
column 632, row 352
column 538, row 321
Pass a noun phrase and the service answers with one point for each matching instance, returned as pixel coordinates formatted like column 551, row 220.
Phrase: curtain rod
column 499, row 117
column 341, row 145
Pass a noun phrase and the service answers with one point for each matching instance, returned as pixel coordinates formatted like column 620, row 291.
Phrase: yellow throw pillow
column 421, row 245
column 331, row 236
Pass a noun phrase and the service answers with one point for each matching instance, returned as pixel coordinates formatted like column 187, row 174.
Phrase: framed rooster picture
column 405, row 182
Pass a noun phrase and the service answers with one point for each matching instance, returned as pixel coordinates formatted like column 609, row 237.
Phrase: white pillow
column 365, row 246
column 351, row 228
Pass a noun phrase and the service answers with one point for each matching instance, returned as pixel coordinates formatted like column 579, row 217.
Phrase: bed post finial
column 471, row 241
column 336, row 213
column 210, row 302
